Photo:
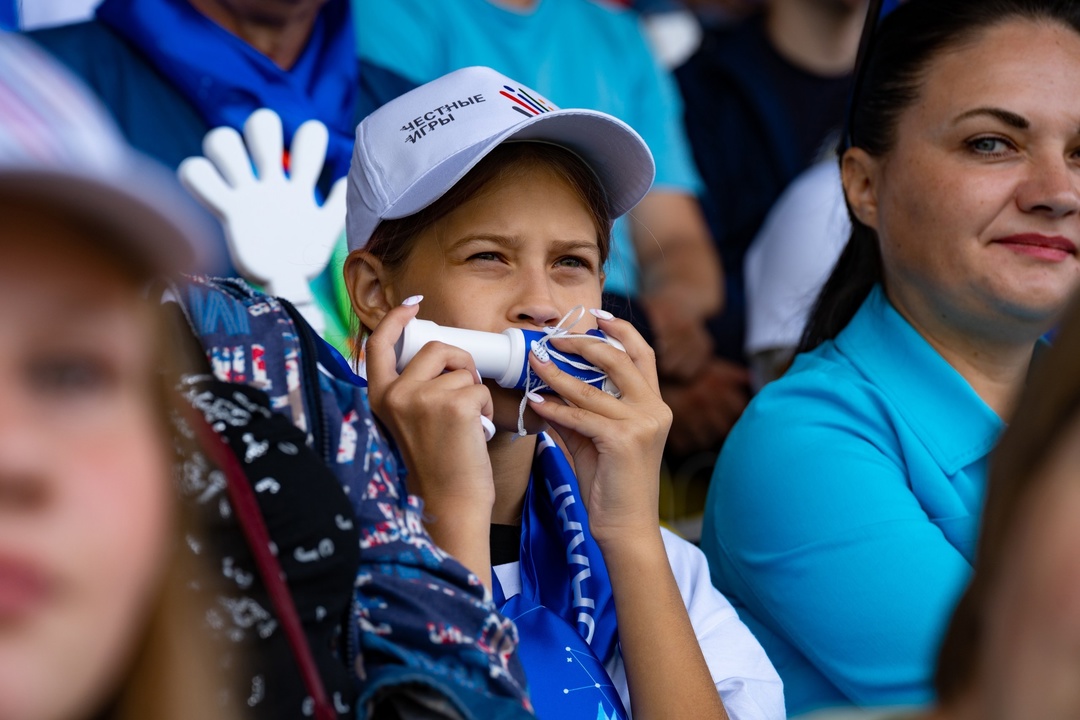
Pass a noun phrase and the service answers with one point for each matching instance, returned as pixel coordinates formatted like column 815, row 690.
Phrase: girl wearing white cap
column 476, row 203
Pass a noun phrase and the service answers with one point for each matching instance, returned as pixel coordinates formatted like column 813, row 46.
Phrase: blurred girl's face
column 978, row 204
column 521, row 253
column 1031, row 663
column 84, row 477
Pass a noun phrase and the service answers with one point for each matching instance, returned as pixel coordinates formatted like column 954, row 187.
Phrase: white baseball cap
column 412, row 150
column 58, row 144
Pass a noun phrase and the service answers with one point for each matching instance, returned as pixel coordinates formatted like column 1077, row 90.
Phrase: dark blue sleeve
column 154, row 117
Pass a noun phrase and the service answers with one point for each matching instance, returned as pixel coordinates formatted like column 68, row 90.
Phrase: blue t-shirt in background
column 843, row 512
column 577, row 53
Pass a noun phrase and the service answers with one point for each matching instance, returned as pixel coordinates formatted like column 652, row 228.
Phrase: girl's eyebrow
column 1009, row 118
column 507, row 241
column 563, row 246
column 513, row 242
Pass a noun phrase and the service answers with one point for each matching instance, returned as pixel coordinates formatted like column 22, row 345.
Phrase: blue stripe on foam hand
column 9, row 14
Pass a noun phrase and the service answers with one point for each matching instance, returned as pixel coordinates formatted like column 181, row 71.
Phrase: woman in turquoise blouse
column 843, row 511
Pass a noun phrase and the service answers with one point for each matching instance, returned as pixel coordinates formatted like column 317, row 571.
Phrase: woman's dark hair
column 392, row 241
column 1049, row 405
column 908, row 41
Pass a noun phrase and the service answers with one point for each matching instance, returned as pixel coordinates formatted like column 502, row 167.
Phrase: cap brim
column 145, row 212
column 617, row 154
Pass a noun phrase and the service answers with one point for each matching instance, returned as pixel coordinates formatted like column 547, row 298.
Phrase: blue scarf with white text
column 565, row 612
column 226, row 79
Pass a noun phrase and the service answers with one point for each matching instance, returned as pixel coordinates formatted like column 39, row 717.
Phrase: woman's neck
column 516, row 4
column 820, row 36
column 994, row 359
column 511, row 466
column 280, row 36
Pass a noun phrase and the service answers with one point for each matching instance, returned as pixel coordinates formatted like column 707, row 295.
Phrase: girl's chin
column 506, row 404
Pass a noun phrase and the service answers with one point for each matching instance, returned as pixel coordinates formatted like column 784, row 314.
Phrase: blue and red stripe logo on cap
column 525, row 103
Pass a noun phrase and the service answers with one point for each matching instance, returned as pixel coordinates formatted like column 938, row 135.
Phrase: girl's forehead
column 525, row 205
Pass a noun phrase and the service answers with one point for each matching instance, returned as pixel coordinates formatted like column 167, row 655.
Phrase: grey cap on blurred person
column 59, row 146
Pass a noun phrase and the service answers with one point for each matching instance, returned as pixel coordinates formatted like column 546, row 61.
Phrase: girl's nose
column 535, row 303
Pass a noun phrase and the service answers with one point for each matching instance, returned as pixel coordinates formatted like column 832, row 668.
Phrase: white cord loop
column 545, row 352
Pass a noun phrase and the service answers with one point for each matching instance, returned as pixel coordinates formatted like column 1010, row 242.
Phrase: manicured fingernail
column 412, row 300
column 540, row 352
column 538, row 399
column 489, row 428
column 602, row 314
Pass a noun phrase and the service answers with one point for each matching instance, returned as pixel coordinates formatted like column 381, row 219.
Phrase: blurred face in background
column 85, row 505
column 272, row 12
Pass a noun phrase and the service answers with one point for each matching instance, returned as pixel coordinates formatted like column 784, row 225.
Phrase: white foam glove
column 278, row 234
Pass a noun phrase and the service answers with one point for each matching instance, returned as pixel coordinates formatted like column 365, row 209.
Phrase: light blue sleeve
column 659, row 121
column 811, row 522
column 405, row 36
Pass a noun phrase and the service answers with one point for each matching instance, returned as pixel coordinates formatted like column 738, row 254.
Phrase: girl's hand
column 433, row 410
column 617, row 446
column 617, row 443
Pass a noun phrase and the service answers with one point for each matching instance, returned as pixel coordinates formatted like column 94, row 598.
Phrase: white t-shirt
column 46, row 13
column 746, row 680
column 791, row 257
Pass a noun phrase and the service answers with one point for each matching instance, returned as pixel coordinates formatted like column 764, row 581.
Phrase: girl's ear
column 365, row 278
column 860, row 174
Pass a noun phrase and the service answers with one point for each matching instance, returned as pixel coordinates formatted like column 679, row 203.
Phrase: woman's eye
column 64, row 376
column 989, row 145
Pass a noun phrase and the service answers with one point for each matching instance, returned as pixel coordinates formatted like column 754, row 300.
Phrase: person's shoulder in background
column 790, row 259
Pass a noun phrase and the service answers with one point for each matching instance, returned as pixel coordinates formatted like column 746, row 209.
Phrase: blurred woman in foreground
column 93, row 616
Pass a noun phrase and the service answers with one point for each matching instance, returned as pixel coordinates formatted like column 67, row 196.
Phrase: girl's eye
column 70, row 376
column 571, row 261
column 485, row 257
column 989, row 145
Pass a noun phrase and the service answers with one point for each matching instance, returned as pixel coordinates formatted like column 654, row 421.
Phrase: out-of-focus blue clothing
column 157, row 118
column 9, row 15
column 578, row 53
column 154, row 117
column 843, row 511
column 227, row 79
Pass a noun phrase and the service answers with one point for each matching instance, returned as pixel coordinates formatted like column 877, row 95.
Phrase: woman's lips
column 1053, row 248
column 23, row 589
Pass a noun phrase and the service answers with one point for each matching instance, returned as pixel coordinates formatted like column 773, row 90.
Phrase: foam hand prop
column 278, row 234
